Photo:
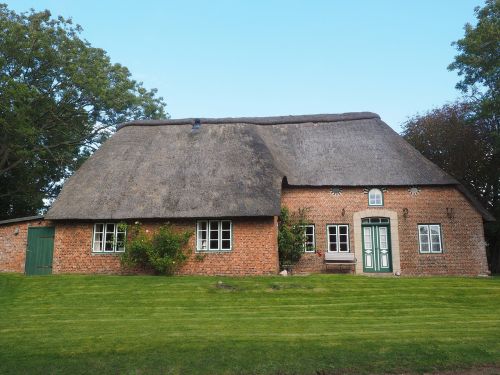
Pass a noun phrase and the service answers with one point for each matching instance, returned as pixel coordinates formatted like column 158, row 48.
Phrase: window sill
column 213, row 251
column 107, row 253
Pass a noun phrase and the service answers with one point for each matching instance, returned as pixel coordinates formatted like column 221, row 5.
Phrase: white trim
column 337, row 238
column 313, row 243
column 429, row 241
column 104, row 233
column 378, row 192
column 208, row 231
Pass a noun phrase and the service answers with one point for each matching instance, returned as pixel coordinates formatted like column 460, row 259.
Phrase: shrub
column 291, row 236
column 163, row 251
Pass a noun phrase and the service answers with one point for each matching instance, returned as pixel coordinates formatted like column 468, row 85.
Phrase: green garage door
column 39, row 251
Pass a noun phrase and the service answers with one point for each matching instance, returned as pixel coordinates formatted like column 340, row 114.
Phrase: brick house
column 375, row 204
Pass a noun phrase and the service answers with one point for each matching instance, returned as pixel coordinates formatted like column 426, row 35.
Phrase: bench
column 345, row 258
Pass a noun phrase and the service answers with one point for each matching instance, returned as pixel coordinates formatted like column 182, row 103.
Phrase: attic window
column 214, row 235
column 375, row 197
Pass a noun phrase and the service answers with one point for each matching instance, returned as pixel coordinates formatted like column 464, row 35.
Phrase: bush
column 291, row 236
column 163, row 251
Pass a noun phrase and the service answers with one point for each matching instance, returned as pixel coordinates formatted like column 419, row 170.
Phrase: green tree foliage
column 465, row 146
column 59, row 99
column 291, row 236
column 464, row 138
column 163, row 251
column 478, row 61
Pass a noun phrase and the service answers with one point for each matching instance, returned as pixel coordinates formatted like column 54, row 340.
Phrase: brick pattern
column 253, row 253
column 255, row 239
column 463, row 237
column 13, row 246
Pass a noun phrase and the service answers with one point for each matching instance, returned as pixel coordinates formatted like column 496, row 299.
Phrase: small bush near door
column 164, row 251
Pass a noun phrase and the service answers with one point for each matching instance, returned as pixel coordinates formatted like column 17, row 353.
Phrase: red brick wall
column 254, row 250
column 463, row 237
column 13, row 246
column 254, row 239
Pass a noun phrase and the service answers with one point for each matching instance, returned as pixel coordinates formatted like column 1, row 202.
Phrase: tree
column 464, row 138
column 60, row 98
column 291, row 236
column 459, row 142
column 478, row 61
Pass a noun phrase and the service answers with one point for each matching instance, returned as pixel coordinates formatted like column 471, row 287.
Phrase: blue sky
column 259, row 58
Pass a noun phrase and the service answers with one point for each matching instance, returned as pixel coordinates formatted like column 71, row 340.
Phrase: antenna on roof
column 197, row 124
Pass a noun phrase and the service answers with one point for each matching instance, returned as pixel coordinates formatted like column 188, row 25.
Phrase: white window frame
column 206, row 245
column 104, row 233
column 337, row 233
column 429, row 239
column 371, row 194
column 311, row 245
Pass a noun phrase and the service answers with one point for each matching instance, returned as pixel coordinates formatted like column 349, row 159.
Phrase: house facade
column 375, row 205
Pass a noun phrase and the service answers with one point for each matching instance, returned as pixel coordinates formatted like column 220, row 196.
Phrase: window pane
column 368, row 238
column 434, row 229
column 202, row 225
column 424, row 247
column 343, row 247
column 214, row 244
column 226, row 225
column 226, row 245
column 120, row 241
column 108, row 245
column 423, row 229
column 436, row 247
column 99, row 228
column 342, row 229
column 110, row 228
column 226, row 234
column 375, row 197
column 333, row 246
column 98, row 241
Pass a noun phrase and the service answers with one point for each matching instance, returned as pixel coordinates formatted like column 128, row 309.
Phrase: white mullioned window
column 214, row 235
column 375, row 197
column 429, row 238
column 338, row 238
column 109, row 238
column 309, row 241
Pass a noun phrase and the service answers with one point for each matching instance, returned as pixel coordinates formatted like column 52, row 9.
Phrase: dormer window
column 375, row 197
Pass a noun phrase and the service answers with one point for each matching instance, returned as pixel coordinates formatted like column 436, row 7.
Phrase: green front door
column 39, row 251
column 376, row 245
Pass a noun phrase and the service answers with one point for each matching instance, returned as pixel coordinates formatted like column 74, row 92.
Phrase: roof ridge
column 269, row 120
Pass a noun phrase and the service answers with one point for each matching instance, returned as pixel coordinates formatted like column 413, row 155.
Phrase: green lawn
column 264, row 325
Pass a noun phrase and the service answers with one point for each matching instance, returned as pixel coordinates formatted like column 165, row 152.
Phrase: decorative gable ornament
column 336, row 190
column 414, row 190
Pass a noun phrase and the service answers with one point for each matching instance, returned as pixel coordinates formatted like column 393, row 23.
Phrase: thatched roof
column 235, row 166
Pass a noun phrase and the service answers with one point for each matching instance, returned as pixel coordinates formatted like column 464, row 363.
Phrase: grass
column 317, row 324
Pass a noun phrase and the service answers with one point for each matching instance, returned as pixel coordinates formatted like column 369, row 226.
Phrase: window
column 108, row 238
column 338, row 238
column 375, row 197
column 375, row 220
column 213, row 235
column 309, row 245
column 429, row 238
